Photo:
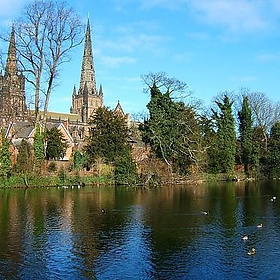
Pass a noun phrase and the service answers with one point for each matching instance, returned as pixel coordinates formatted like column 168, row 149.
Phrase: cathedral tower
column 12, row 87
column 87, row 99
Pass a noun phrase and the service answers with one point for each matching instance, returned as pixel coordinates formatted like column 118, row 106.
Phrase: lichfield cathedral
column 85, row 100
column 12, row 88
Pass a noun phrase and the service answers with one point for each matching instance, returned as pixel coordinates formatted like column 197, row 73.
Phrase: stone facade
column 85, row 100
column 12, row 88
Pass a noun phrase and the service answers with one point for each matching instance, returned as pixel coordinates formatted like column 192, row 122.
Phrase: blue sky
column 212, row 45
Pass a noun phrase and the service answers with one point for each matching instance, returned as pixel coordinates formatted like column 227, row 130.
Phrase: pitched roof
column 23, row 129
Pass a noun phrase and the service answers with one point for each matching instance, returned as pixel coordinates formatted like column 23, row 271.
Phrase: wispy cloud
column 199, row 36
column 183, row 57
column 116, row 61
column 172, row 5
column 132, row 43
column 243, row 79
column 268, row 57
column 11, row 7
column 235, row 15
column 238, row 16
column 9, row 11
column 150, row 4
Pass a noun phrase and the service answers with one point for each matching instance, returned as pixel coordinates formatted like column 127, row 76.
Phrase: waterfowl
column 103, row 210
column 252, row 252
column 245, row 237
column 205, row 212
column 260, row 225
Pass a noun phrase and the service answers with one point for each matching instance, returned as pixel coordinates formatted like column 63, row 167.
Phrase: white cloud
column 149, row 4
column 183, row 57
column 243, row 79
column 11, row 7
column 199, row 36
column 133, row 42
column 276, row 5
column 235, row 15
column 238, row 16
column 172, row 5
column 115, row 62
column 268, row 57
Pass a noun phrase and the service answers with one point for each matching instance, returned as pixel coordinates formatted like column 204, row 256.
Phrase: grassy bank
column 23, row 181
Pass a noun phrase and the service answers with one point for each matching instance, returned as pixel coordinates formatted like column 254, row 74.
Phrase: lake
column 171, row 232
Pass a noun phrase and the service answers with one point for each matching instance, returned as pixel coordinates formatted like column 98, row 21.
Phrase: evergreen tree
column 210, row 142
column 108, row 136
column 5, row 157
column 259, row 153
column 39, row 148
column 55, row 144
column 246, row 135
column 172, row 131
column 24, row 158
column 109, row 140
column 79, row 160
column 125, row 170
column 226, row 137
column 273, row 155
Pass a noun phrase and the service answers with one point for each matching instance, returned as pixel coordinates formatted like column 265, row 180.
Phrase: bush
column 52, row 167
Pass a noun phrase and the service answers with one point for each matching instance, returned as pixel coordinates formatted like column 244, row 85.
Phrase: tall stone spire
column 87, row 99
column 11, row 63
column 12, row 87
column 88, row 71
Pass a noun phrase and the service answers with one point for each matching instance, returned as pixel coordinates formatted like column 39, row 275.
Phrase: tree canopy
column 55, row 144
column 108, row 140
column 172, row 129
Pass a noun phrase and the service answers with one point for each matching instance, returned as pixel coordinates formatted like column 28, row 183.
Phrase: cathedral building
column 85, row 100
column 12, row 88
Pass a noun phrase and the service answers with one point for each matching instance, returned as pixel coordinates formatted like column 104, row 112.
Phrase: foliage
column 79, row 160
column 108, row 136
column 108, row 141
column 246, row 135
column 273, row 155
column 55, row 144
column 25, row 158
column 210, row 143
column 39, row 148
column 153, row 171
column 5, row 157
column 62, row 175
column 225, row 144
column 52, row 167
column 172, row 131
column 125, row 170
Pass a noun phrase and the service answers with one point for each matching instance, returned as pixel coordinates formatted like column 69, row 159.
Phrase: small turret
column 100, row 92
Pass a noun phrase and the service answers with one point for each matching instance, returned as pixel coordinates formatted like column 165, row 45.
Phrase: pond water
column 137, row 233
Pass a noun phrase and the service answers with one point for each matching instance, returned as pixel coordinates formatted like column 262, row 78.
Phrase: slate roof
column 23, row 129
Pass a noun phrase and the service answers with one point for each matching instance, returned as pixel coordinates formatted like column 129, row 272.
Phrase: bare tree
column 164, row 83
column 46, row 33
column 265, row 112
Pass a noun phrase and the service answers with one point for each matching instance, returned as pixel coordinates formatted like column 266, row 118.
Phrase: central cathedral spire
column 11, row 64
column 88, row 70
column 87, row 99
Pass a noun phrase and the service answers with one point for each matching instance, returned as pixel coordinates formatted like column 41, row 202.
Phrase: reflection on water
column 135, row 233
